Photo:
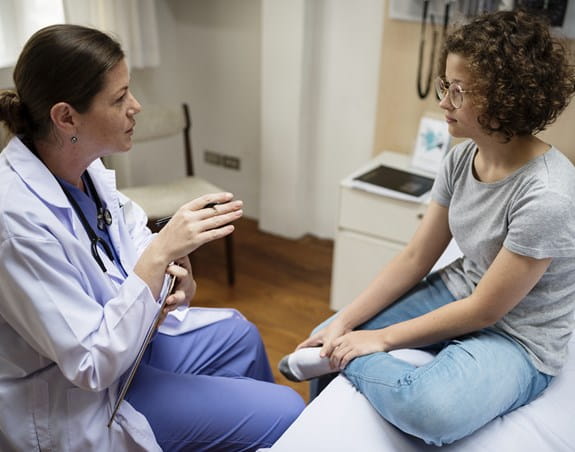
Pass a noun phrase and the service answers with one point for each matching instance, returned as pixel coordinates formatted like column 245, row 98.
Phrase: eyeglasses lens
column 440, row 88
column 455, row 95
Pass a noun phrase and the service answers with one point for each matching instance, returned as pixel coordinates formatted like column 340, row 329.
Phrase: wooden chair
column 162, row 200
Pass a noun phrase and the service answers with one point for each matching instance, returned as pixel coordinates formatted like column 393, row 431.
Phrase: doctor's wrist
column 151, row 268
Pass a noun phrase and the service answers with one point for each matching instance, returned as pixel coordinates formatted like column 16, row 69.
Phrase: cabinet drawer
column 378, row 215
column 357, row 260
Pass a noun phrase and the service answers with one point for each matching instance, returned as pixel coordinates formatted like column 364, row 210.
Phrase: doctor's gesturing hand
column 196, row 223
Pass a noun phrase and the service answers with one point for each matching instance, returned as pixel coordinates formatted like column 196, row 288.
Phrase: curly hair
column 522, row 74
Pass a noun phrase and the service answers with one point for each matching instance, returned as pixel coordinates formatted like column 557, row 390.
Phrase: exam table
column 341, row 419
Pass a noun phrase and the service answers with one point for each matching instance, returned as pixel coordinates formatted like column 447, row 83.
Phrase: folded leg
column 471, row 381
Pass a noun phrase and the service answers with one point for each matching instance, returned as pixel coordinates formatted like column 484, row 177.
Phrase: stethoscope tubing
column 95, row 239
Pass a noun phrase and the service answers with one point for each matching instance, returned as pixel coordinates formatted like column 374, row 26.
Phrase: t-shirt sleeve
column 442, row 189
column 542, row 225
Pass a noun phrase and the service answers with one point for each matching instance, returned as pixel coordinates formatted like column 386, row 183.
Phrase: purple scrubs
column 212, row 389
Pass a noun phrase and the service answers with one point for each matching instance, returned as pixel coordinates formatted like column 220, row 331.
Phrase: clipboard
column 404, row 182
column 149, row 334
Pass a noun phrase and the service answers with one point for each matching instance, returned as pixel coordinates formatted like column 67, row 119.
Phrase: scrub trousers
column 212, row 389
column 472, row 379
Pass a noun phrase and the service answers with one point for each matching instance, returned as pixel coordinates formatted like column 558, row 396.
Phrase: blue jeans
column 472, row 379
column 212, row 389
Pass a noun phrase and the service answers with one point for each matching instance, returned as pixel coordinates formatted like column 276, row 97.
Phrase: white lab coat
column 68, row 331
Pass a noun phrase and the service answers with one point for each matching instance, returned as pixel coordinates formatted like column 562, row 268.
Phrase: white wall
column 347, row 54
column 286, row 160
column 289, row 87
column 320, row 72
column 210, row 59
column 219, row 43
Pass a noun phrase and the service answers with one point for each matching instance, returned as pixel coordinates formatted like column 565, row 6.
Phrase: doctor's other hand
column 184, row 289
column 185, row 282
column 198, row 222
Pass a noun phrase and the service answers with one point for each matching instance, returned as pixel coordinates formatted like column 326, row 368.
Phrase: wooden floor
column 281, row 285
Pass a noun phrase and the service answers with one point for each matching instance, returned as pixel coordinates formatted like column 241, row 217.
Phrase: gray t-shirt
column 531, row 212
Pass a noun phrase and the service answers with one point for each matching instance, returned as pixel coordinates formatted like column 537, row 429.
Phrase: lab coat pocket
column 86, row 420
column 25, row 414
column 39, row 393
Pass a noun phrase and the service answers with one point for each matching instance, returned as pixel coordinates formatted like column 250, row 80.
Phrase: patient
column 500, row 317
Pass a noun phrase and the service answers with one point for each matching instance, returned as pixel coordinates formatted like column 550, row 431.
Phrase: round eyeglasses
column 443, row 87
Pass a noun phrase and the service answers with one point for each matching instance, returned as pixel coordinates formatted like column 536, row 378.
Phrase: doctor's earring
column 74, row 139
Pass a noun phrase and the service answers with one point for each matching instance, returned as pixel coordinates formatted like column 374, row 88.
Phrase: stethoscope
column 423, row 91
column 104, row 219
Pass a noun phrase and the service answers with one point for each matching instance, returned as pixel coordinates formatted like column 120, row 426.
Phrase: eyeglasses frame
column 443, row 87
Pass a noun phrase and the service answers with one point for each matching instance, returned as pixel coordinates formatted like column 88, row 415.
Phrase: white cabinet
column 372, row 228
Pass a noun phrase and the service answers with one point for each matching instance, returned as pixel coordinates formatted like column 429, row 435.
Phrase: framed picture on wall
column 432, row 143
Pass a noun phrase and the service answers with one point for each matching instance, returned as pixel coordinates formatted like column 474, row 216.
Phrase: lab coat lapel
column 43, row 183
column 35, row 175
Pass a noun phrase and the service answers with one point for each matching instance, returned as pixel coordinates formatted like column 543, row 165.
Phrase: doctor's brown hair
column 59, row 63
column 522, row 77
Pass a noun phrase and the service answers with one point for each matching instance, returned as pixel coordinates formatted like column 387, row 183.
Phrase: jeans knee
column 431, row 420
column 316, row 329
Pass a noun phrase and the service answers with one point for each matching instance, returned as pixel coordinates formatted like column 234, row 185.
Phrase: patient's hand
column 325, row 338
column 354, row 344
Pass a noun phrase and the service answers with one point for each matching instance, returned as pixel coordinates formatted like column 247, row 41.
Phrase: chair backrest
column 157, row 121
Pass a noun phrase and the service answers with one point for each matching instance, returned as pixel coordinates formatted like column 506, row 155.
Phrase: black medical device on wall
column 423, row 91
column 554, row 9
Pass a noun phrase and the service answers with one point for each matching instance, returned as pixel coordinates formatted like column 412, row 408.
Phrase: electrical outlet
column 217, row 159
column 231, row 162
column 212, row 157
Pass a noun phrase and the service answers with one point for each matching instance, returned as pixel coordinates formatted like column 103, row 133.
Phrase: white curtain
column 19, row 19
column 132, row 22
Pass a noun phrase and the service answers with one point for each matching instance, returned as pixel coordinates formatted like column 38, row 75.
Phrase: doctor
column 82, row 275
